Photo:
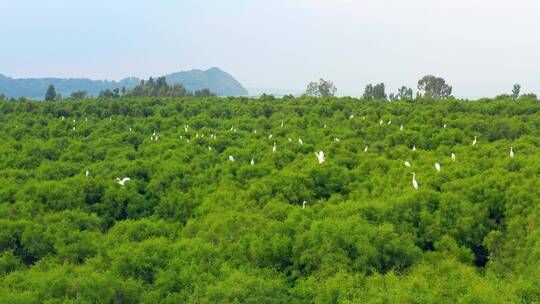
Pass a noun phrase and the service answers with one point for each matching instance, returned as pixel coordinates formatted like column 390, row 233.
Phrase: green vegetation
column 192, row 226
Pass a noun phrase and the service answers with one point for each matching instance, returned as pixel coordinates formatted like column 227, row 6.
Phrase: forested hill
column 294, row 200
column 214, row 79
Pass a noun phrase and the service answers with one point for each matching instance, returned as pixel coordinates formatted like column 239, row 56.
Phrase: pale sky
column 481, row 47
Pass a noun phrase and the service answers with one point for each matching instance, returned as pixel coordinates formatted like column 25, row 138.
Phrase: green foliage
column 51, row 93
column 323, row 88
column 434, row 87
column 191, row 226
column 375, row 91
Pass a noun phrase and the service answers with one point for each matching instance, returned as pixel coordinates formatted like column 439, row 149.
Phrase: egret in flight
column 123, row 181
column 414, row 182
column 512, row 152
column 438, row 167
column 407, row 164
column 320, row 156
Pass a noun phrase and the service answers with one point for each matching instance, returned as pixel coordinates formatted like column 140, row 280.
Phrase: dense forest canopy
column 227, row 201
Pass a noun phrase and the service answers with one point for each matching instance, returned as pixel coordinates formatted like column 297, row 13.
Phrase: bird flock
column 319, row 155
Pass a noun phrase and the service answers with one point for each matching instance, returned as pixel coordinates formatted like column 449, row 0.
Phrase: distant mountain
column 214, row 79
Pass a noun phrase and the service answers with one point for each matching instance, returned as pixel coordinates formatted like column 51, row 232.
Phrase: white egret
column 130, row 129
column 252, row 162
column 320, row 156
column 414, row 182
column 231, row 158
column 336, row 139
column 407, row 164
column 123, row 181
column 444, row 126
column 282, row 123
column 304, row 204
column 290, row 140
column 351, row 117
column 390, row 122
column 274, row 148
column 87, row 173
column 512, row 152
column 438, row 167
column 380, row 122
column 401, row 128
column 186, row 129
column 414, row 148
column 209, row 148
column 325, row 126
column 73, row 128
column 453, row 156
column 474, row 141
column 270, row 136
column 366, row 149
column 300, row 141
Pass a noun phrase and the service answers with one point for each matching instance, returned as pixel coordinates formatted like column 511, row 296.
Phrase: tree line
column 150, row 88
column 429, row 86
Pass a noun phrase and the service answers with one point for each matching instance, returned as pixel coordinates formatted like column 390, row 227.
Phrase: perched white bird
column 63, row 118
column 444, row 126
column 282, row 123
column 87, row 173
column 401, row 128
column 290, row 140
column 231, row 158
column 512, row 152
column 86, row 119
column 252, row 162
column 438, row 167
column 325, row 126
column 320, row 156
column 453, row 156
column 351, row 117
column 407, row 164
column 390, row 122
column 74, row 120
column 73, row 128
column 474, row 141
column 380, row 122
column 414, row 148
column 186, row 129
column 336, row 139
column 414, row 182
column 366, row 149
column 274, row 148
column 270, row 136
column 255, row 131
column 130, row 129
column 300, row 141
column 363, row 118
column 123, row 181
column 197, row 135
column 304, row 204
column 209, row 148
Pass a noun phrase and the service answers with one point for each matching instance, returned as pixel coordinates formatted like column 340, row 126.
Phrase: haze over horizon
column 480, row 47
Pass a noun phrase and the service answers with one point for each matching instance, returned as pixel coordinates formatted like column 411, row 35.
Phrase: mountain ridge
column 214, row 79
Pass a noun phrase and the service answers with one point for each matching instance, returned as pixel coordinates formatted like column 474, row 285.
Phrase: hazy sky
column 481, row 47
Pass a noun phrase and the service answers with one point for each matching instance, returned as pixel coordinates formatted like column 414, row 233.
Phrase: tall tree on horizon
column 51, row 93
